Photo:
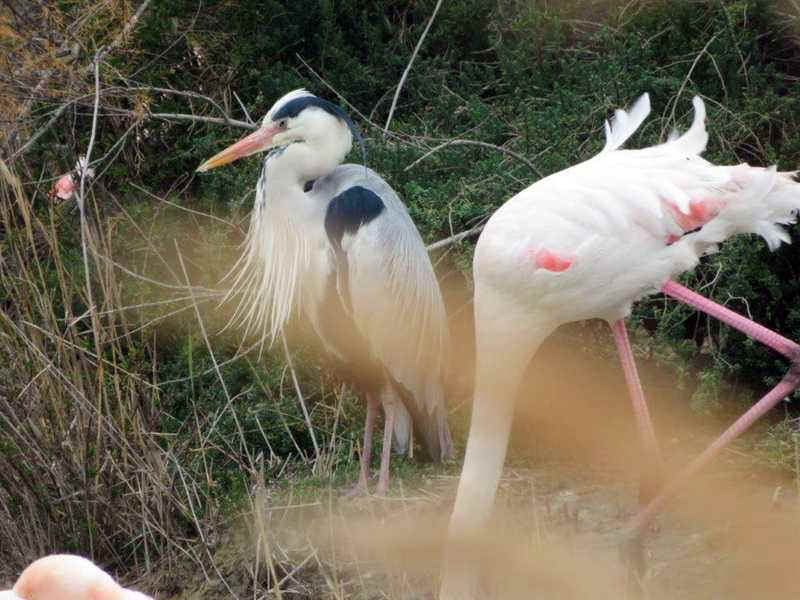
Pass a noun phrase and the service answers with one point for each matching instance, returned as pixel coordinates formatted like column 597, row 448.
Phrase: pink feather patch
column 701, row 211
column 549, row 260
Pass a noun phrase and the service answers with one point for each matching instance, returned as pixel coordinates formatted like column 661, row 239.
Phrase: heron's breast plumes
column 268, row 274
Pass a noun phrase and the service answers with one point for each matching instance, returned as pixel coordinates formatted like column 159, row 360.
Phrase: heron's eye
column 282, row 124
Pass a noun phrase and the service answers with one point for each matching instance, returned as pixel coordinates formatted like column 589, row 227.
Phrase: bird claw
column 357, row 491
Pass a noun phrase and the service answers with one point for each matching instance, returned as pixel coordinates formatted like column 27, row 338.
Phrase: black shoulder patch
column 350, row 210
column 308, row 186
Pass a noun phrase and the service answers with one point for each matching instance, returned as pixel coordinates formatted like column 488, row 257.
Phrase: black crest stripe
column 295, row 106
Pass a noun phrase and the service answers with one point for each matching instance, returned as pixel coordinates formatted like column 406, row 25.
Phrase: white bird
column 335, row 243
column 587, row 242
column 67, row 577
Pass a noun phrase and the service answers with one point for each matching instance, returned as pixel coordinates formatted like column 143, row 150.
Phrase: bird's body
column 620, row 222
column 335, row 244
column 67, row 577
column 587, row 242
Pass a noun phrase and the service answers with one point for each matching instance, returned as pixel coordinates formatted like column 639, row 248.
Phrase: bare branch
column 243, row 107
column 83, row 168
column 455, row 238
column 408, row 66
column 125, row 30
column 457, row 142
column 200, row 119
column 188, row 94
column 27, row 145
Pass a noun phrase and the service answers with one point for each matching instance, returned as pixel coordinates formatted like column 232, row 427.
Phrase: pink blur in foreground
column 67, row 577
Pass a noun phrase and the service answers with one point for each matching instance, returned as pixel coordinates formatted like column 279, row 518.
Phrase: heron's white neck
column 277, row 254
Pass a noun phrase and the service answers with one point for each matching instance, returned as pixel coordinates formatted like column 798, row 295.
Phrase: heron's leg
column 652, row 469
column 366, row 451
column 386, row 451
column 785, row 386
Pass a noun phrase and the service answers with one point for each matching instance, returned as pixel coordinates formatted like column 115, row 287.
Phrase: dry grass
column 83, row 466
column 86, row 462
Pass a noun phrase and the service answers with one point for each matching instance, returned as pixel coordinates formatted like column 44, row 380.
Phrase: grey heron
column 335, row 242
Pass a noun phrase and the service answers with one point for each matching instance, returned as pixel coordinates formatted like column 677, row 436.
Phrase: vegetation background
column 131, row 429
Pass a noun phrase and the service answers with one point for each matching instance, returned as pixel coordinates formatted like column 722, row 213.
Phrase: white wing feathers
column 624, row 124
column 696, row 137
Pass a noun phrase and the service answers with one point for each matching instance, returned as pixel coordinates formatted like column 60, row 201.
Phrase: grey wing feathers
column 395, row 296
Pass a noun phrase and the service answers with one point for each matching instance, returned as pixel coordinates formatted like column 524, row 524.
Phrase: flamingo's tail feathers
column 757, row 200
column 696, row 137
column 625, row 123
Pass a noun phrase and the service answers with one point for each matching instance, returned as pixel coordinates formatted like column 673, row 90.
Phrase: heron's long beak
column 257, row 141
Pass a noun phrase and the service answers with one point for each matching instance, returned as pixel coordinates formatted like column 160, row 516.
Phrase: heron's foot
column 358, row 490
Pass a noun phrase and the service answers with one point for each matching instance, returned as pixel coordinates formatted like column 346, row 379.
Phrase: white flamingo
column 587, row 242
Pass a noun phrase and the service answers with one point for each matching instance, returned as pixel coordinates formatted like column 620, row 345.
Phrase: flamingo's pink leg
column 653, row 466
column 785, row 386
column 788, row 348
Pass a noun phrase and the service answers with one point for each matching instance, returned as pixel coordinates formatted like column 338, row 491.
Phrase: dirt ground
column 557, row 533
